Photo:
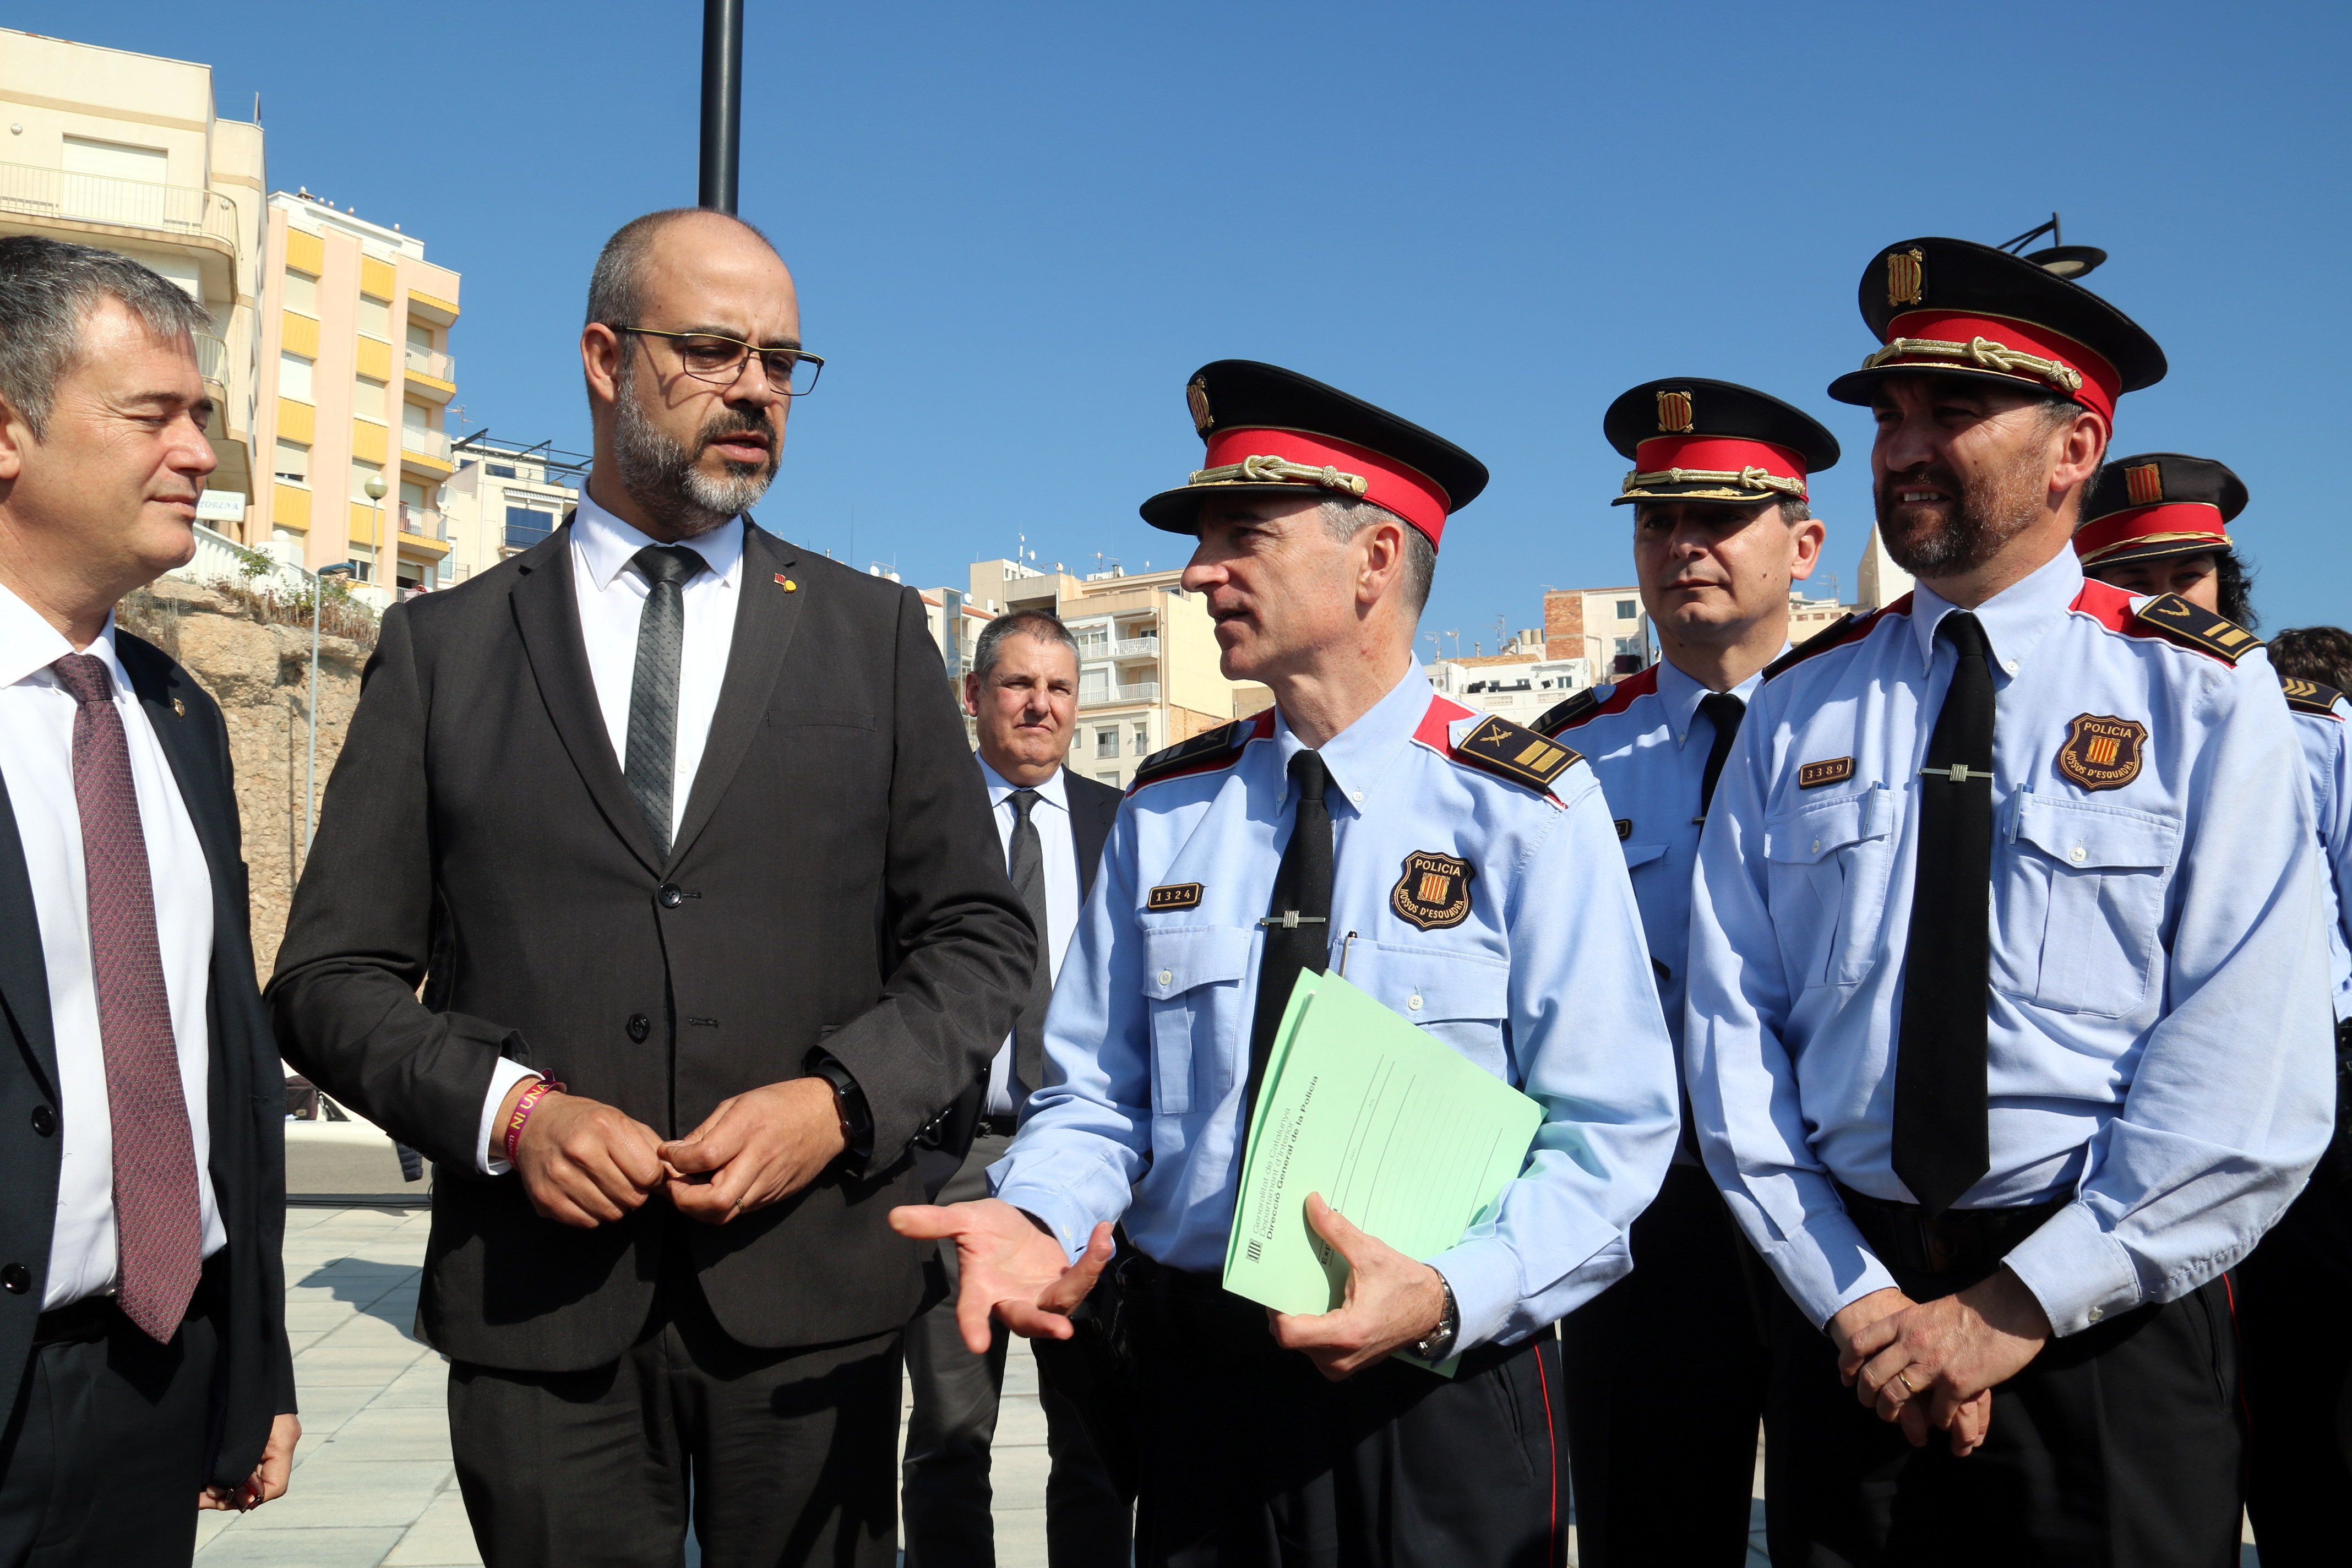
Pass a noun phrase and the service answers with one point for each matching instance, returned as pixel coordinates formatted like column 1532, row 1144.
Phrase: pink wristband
column 524, row 1105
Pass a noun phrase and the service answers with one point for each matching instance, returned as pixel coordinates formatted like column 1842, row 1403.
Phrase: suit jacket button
column 671, row 895
column 17, row 1277
column 44, row 1120
column 639, row 1027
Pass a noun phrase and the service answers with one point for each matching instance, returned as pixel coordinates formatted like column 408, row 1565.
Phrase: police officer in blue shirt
column 1661, row 1443
column 2007, row 1027
column 2158, row 521
column 1457, row 867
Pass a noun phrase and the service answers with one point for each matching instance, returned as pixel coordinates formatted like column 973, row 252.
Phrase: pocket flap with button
column 1176, row 959
column 1819, row 830
column 1641, row 854
column 1427, row 986
column 2097, row 837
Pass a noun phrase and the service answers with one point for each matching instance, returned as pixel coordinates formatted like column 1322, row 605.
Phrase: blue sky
column 1018, row 229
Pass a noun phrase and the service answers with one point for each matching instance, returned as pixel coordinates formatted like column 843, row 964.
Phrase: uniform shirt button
column 2096, row 1313
column 44, row 1120
column 639, row 1027
column 2076, row 854
column 1358, row 797
column 1413, row 1002
column 2011, row 666
column 671, row 895
column 17, row 1277
column 1167, row 975
column 1817, row 846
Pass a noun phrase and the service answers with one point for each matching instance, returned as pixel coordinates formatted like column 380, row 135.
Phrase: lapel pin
column 179, row 709
column 786, row 583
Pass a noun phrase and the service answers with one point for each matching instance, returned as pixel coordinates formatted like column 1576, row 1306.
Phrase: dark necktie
column 1024, row 861
column 157, row 1230
column 1723, row 711
column 652, row 763
column 1940, row 1143
column 1297, row 917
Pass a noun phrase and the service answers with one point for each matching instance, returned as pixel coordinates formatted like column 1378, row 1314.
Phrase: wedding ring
column 1903, row 1378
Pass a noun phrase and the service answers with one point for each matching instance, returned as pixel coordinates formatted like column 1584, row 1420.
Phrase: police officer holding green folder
column 1466, row 873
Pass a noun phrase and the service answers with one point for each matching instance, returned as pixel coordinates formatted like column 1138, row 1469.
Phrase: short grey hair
column 616, row 287
column 1043, row 624
column 48, row 289
column 1346, row 518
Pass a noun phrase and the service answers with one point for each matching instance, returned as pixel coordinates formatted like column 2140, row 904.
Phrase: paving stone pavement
column 374, row 1486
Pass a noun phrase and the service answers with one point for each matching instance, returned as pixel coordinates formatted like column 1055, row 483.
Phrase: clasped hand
column 1934, row 1364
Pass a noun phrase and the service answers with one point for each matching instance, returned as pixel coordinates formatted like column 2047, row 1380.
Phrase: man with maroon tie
column 142, row 1341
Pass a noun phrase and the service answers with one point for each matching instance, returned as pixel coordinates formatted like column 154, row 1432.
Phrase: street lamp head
column 374, row 486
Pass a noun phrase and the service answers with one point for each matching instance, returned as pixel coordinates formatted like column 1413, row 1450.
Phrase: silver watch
column 1439, row 1345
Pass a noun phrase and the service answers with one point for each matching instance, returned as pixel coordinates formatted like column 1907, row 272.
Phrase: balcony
column 1111, row 696
column 423, row 521
column 212, row 363
column 1135, row 648
column 83, row 204
column 432, row 366
column 426, row 451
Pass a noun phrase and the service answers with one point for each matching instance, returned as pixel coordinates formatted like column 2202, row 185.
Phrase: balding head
column 617, row 289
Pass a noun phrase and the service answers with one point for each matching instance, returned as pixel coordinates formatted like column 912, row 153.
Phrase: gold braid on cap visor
column 1981, row 353
column 1272, row 470
column 1750, row 478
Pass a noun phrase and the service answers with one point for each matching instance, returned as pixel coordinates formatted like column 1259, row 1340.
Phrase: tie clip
column 1291, row 920
column 1958, row 773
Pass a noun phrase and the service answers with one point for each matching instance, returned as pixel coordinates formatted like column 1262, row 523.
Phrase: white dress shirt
column 1051, row 816
column 36, row 721
column 611, row 594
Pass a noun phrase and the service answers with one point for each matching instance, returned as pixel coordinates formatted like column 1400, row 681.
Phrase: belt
column 1956, row 1241
column 79, row 1323
column 1002, row 1126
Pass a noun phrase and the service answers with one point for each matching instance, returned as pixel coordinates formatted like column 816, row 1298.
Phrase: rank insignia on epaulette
column 1500, row 747
column 2193, row 626
column 1433, row 893
column 2309, row 696
column 1188, row 753
column 1559, row 715
column 1821, row 641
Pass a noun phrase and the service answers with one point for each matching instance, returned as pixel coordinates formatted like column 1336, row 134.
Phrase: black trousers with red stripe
column 1252, row 1459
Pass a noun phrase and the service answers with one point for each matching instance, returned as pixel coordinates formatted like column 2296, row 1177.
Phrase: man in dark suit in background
column 1023, row 694
column 680, row 817
column 142, row 1331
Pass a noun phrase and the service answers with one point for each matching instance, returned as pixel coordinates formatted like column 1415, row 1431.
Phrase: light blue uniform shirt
column 1545, row 984
column 2327, row 753
column 2160, row 1045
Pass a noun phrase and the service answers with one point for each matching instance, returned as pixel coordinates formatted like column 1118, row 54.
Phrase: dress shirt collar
column 29, row 645
column 608, row 545
column 1053, row 792
column 2014, row 620
column 1358, row 755
column 1681, row 695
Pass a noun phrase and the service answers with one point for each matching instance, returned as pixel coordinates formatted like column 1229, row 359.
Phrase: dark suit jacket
column 834, row 880
column 1093, row 807
column 248, row 1087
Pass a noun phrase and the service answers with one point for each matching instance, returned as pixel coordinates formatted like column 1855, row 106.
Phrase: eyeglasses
column 707, row 356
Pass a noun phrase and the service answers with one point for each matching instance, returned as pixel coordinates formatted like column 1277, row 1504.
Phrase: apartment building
column 356, row 378
column 123, row 151
column 1518, row 685
column 502, row 499
column 1603, row 626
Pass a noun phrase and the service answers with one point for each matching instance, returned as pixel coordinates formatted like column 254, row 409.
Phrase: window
column 367, row 398
column 294, row 462
column 420, row 337
column 1093, row 686
column 527, row 525
column 1627, row 608
column 498, row 470
column 301, row 293
column 1111, row 778
column 413, row 417
column 1143, row 738
column 1106, row 742
column 375, row 317
column 362, row 564
column 413, row 495
column 361, row 472
column 294, row 377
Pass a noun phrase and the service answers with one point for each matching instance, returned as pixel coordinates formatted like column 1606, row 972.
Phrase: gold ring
column 1905, row 1380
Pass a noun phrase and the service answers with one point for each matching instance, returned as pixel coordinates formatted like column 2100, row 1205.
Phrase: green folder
column 1408, row 1139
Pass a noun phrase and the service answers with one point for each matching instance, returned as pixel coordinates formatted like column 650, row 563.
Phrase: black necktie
column 1940, row 1144
column 652, row 761
column 1024, row 860
column 1723, row 711
column 1297, row 917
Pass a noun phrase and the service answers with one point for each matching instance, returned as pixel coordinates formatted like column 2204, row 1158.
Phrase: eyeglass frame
column 734, row 371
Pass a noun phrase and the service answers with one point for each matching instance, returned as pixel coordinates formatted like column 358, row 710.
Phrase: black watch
column 1439, row 1344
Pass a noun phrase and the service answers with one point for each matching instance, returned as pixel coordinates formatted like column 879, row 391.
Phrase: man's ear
column 971, row 695
column 2081, row 448
column 1383, row 560
column 601, row 349
column 1807, row 539
column 14, row 437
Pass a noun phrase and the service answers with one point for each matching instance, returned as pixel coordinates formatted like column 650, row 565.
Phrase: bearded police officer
column 1458, row 867
column 1662, row 1444
column 2008, row 1025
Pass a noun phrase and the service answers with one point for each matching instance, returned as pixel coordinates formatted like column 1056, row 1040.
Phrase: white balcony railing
column 1104, row 695
column 425, row 361
column 1136, row 648
column 423, row 521
column 425, row 442
column 212, row 359
column 129, row 204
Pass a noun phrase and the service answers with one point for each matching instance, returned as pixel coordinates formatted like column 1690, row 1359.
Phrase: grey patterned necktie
column 158, row 1235
column 1024, row 860
column 652, row 763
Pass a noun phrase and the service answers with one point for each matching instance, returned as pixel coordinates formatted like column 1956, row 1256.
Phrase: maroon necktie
column 155, row 1221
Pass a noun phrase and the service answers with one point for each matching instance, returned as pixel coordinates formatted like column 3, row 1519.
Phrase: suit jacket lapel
column 1089, row 828
column 547, row 616
column 203, row 790
column 766, row 616
column 24, row 978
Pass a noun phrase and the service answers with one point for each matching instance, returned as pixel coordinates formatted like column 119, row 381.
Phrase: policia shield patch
column 2102, row 751
column 1434, row 891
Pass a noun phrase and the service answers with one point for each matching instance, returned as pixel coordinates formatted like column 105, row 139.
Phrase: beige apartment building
column 502, row 499
column 356, row 378
column 123, row 151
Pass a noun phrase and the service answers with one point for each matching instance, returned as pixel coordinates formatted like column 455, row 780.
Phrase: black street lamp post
column 722, row 102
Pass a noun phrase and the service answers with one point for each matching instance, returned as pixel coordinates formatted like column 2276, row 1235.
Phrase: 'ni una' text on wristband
column 525, row 1103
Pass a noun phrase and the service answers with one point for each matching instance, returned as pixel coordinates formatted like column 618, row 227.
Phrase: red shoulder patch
column 1438, row 719
column 2104, row 602
column 1852, row 628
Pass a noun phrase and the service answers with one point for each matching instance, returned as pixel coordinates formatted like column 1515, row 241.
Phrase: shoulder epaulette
column 1514, row 752
column 1560, row 715
column 2311, row 697
column 1846, row 628
column 1205, row 753
column 2175, row 620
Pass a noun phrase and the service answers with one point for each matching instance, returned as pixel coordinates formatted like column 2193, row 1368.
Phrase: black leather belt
column 78, row 1322
column 1003, row 1126
column 1958, row 1241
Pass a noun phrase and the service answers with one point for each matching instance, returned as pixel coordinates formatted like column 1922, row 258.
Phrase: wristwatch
column 1439, row 1345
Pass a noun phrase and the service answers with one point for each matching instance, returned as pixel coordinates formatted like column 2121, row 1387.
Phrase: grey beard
column 660, row 474
column 1992, row 510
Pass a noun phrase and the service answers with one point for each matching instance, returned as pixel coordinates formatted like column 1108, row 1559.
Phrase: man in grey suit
column 1023, row 694
column 673, row 823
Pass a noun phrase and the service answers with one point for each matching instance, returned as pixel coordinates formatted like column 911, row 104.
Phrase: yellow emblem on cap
column 2144, row 483
column 1674, row 412
column 1196, row 397
column 1906, row 278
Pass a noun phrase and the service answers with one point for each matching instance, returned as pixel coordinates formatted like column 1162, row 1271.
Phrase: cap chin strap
column 1273, row 470
column 1747, row 478
column 1981, row 353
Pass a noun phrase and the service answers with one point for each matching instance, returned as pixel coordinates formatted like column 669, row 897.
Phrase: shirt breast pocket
column 1640, row 854
column 1827, row 865
column 1462, row 999
column 2081, row 910
column 1192, row 990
